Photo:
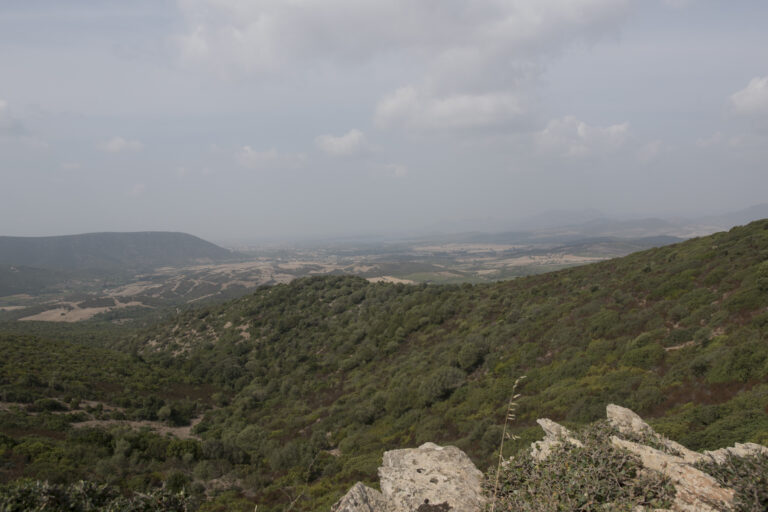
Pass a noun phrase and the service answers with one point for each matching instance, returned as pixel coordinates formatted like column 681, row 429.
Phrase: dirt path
column 156, row 426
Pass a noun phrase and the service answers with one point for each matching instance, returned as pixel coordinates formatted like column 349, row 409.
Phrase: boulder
column 429, row 478
column 431, row 475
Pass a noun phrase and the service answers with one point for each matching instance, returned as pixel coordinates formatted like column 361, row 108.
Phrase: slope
column 326, row 373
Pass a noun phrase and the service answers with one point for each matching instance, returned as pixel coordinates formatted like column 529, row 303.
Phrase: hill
column 109, row 251
column 22, row 279
column 337, row 364
column 316, row 378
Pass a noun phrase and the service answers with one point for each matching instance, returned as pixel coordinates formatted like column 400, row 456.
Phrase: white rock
column 555, row 434
column 431, row 474
column 739, row 450
column 696, row 490
column 628, row 422
column 361, row 498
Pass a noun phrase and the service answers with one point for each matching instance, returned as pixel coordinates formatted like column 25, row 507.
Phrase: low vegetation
column 303, row 386
column 595, row 476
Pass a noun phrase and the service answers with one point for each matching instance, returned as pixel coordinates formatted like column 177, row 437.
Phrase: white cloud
column 678, row 4
column 269, row 159
column 733, row 141
column 468, row 63
column 352, row 143
column 570, row 137
column 136, row 190
column 9, row 125
column 388, row 170
column 418, row 109
column 753, row 99
column 651, row 151
column 258, row 36
column 397, row 170
column 119, row 145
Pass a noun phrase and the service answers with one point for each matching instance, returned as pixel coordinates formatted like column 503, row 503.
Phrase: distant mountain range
column 567, row 225
column 109, row 251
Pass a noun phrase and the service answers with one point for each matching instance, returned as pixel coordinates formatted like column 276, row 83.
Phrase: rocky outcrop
column 434, row 478
column 739, row 450
column 361, row 498
column 629, row 423
column 554, row 435
column 696, row 490
column 428, row 478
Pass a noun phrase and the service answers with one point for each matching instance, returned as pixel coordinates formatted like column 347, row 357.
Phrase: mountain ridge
column 110, row 251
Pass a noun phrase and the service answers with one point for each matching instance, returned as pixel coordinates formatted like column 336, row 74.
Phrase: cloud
column 467, row 64
column 396, row 170
column 269, row 159
column 9, row 125
column 353, row 143
column 569, row 137
column 136, row 190
column 734, row 141
column 259, row 36
column 418, row 109
column 753, row 99
column 651, row 151
column 678, row 4
column 119, row 145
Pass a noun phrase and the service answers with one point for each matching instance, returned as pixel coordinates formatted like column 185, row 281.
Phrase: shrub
column 595, row 477
column 748, row 476
column 441, row 384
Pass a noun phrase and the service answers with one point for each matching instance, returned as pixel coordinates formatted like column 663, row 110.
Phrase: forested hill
column 109, row 251
column 323, row 374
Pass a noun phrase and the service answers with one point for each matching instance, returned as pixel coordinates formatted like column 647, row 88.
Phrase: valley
column 125, row 296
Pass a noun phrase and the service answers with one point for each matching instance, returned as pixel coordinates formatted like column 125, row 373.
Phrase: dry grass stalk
column 509, row 418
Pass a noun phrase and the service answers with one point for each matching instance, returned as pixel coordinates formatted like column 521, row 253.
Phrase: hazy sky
column 259, row 118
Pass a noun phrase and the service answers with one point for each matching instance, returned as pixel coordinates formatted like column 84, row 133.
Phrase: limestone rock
column 431, row 475
column 696, row 491
column 628, row 422
column 429, row 478
column 361, row 499
column 739, row 450
column 555, row 434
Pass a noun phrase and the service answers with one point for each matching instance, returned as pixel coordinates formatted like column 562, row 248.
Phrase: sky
column 260, row 119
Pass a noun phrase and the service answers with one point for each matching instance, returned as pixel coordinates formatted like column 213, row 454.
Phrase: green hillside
column 15, row 279
column 109, row 251
column 314, row 379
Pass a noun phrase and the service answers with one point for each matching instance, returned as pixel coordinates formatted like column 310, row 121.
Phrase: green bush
column 748, row 476
column 594, row 477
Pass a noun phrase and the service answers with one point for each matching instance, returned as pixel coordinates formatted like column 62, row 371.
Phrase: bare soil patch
column 70, row 312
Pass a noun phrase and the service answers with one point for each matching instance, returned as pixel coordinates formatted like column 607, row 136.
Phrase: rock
column 696, row 490
column 433, row 478
column 361, row 499
column 429, row 478
column 740, row 450
column 431, row 475
column 629, row 423
column 555, row 434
